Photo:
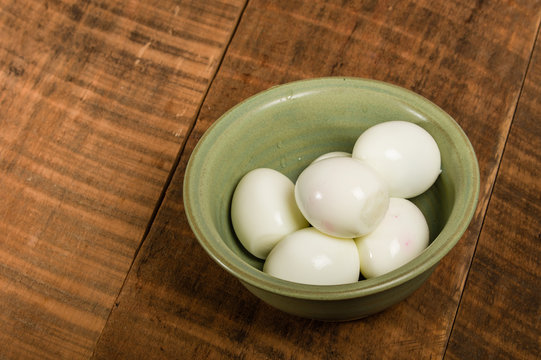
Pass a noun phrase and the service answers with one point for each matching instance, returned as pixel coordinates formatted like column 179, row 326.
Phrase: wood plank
column 468, row 59
column 500, row 312
column 96, row 99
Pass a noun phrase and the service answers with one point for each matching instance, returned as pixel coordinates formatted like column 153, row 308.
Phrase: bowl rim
column 427, row 260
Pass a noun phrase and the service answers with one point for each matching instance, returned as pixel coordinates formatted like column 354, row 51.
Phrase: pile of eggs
column 346, row 214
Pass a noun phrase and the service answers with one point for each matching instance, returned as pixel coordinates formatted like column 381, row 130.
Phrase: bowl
column 285, row 128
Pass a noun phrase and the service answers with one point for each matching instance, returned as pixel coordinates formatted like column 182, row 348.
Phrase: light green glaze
column 287, row 127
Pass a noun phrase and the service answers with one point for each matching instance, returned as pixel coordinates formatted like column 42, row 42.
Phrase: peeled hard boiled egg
column 403, row 153
column 332, row 154
column 308, row 256
column 400, row 237
column 341, row 196
column 263, row 210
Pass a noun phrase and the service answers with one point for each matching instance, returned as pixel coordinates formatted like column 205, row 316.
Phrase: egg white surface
column 400, row 237
column 263, row 210
column 331, row 155
column 308, row 256
column 403, row 153
column 341, row 196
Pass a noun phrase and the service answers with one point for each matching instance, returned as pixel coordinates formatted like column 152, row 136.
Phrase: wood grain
column 469, row 59
column 96, row 99
column 501, row 304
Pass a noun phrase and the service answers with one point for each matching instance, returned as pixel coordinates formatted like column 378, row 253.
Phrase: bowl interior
column 285, row 128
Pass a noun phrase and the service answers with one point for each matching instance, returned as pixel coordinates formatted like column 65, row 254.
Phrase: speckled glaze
column 285, row 128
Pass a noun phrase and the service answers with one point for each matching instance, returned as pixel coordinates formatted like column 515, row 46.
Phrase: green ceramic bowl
column 287, row 127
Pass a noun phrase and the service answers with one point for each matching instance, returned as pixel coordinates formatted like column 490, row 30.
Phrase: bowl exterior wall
column 341, row 310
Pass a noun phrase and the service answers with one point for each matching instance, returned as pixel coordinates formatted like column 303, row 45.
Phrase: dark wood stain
column 97, row 99
column 466, row 64
column 91, row 124
column 502, row 298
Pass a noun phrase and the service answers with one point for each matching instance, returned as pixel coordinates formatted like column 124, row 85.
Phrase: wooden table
column 102, row 102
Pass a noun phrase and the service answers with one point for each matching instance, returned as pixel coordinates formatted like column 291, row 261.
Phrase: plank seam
column 528, row 65
column 173, row 170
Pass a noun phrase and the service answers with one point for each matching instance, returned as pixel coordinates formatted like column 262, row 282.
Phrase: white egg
column 403, row 153
column 341, row 196
column 399, row 238
column 332, row 154
column 263, row 210
column 310, row 257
